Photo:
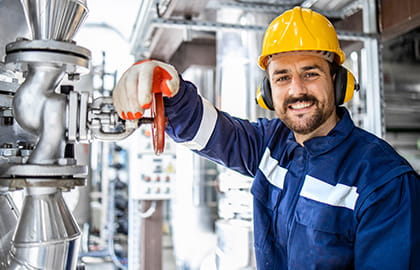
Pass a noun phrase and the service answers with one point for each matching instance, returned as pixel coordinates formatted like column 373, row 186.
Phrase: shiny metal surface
column 47, row 236
column 104, row 123
column 54, row 19
column 95, row 120
column 8, row 221
column 13, row 24
column 73, row 58
column 75, row 14
column 41, row 111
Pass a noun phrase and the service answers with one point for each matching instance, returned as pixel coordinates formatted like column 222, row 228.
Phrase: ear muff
column 263, row 96
column 344, row 85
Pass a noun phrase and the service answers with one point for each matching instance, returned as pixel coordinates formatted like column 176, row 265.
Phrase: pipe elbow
column 30, row 98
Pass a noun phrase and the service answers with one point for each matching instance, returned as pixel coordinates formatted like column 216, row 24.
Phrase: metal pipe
column 373, row 80
column 8, row 221
column 40, row 110
column 47, row 236
column 142, row 20
column 54, row 19
column 219, row 26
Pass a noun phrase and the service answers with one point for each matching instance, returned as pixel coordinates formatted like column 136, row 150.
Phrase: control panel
column 151, row 176
column 155, row 177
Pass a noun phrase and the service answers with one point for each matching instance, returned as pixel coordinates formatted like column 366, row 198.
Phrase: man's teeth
column 300, row 105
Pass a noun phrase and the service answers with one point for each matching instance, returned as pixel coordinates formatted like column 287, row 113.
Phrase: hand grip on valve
column 142, row 87
column 158, row 121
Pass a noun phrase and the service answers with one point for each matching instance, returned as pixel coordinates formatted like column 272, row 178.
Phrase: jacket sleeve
column 229, row 141
column 388, row 233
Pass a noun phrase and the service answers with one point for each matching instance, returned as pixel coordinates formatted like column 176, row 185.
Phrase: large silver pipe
column 54, row 19
column 74, row 15
column 47, row 236
column 38, row 109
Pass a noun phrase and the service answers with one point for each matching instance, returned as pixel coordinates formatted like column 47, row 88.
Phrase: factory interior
column 83, row 189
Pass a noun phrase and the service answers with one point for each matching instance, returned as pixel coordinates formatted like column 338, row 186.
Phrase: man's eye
column 311, row 74
column 282, row 78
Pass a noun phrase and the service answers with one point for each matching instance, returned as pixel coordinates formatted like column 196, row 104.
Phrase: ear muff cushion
column 263, row 96
column 344, row 85
column 268, row 98
column 340, row 82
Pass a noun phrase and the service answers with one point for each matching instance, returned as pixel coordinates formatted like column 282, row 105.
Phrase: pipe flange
column 17, row 176
column 18, row 184
column 22, row 52
column 43, row 171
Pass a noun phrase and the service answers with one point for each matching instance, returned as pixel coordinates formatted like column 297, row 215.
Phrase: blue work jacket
column 343, row 201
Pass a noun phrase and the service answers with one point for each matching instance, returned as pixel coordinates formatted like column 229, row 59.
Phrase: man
column 327, row 195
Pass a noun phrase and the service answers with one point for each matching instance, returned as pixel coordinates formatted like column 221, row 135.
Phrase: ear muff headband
column 344, row 86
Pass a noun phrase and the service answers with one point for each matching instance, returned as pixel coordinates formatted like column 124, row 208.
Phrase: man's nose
column 297, row 87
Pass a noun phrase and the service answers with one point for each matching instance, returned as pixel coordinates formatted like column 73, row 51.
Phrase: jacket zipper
column 291, row 223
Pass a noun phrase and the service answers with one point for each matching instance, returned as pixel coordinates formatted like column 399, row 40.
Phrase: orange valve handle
column 157, row 109
column 159, row 123
column 159, row 87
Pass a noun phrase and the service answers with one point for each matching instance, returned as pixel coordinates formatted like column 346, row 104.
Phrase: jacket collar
column 320, row 145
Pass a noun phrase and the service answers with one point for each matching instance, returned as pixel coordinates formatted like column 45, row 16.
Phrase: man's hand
column 133, row 93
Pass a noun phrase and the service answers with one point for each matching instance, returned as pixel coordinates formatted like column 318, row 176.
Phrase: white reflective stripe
column 338, row 195
column 204, row 132
column 271, row 170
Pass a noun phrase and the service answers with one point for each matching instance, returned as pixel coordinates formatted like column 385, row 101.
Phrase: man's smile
column 301, row 105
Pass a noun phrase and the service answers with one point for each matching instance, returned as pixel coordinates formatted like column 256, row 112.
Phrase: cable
column 149, row 212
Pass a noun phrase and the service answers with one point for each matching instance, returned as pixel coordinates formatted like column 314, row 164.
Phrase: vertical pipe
column 47, row 236
column 373, row 78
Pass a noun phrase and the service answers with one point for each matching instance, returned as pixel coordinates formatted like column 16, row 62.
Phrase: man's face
column 303, row 93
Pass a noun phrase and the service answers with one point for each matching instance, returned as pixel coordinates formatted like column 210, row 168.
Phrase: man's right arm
column 232, row 142
column 192, row 120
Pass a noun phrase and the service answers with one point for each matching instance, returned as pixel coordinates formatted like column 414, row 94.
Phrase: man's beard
column 312, row 123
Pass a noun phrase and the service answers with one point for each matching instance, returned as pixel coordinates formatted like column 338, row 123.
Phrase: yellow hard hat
column 300, row 29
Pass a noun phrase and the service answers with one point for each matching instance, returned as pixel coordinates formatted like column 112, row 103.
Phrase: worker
column 327, row 194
